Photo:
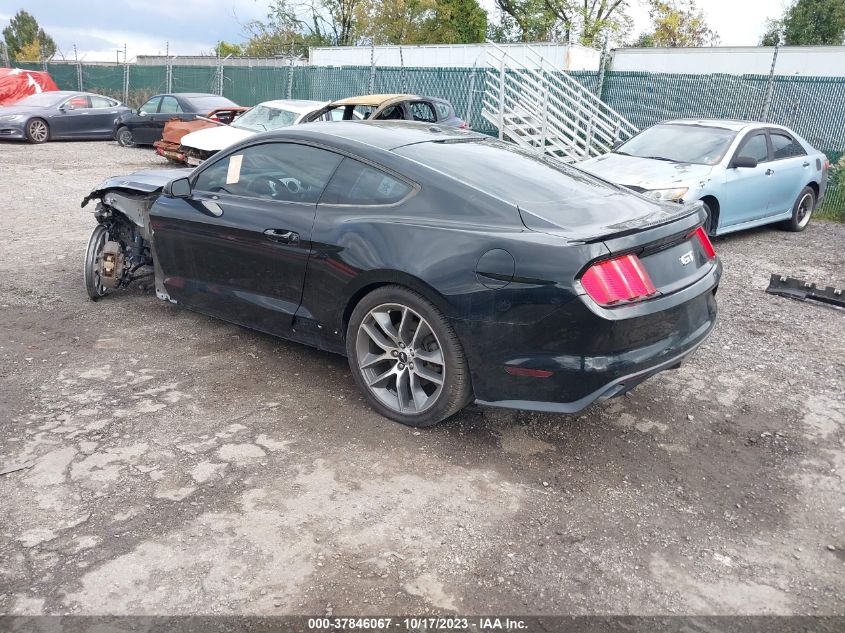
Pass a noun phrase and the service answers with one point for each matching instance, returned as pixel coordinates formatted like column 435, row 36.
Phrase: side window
column 422, row 111
column 785, row 146
column 393, row 112
column 169, row 105
column 78, row 102
column 151, row 106
column 755, row 147
column 101, row 102
column 285, row 172
column 356, row 183
column 443, row 110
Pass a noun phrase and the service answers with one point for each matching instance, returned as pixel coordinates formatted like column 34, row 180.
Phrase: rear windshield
column 42, row 100
column 211, row 102
column 506, row 171
column 697, row 144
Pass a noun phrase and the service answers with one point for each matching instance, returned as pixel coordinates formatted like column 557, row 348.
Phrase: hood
column 147, row 181
column 602, row 215
column 214, row 139
column 645, row 173
column 20, row 109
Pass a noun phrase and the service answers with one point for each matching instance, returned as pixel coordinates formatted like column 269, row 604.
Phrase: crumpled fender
column 142, row 182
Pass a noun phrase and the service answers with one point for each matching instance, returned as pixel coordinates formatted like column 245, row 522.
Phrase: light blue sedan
column 746, row 174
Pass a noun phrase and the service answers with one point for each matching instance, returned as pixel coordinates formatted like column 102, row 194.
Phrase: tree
column 584, row 21
column 677, row 24
column 814, row 23
column 772, row 35
column 24, row 34
column 224, row 49
column 458, row 22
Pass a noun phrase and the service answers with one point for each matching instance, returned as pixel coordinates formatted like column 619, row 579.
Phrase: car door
column 168, row 109
column 72, row 118
column 237, row 248
column 102, row 116
column 747, row 189
column 791, row 171
column 143, row 124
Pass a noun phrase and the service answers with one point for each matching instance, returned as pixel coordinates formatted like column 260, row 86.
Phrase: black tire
column 708, row 223
column 802, row 210
column 37, row 131
column 91, row 271
column 438, row 342
column 124, row 137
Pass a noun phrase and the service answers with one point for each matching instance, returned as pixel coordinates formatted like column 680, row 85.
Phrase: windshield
column 262, row 118
column 42, row 100
column 696, row 144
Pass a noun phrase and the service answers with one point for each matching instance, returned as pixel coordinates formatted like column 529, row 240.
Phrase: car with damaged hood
column 449, row 267
column 145, row 125
column 269, row 115
column 746, row 174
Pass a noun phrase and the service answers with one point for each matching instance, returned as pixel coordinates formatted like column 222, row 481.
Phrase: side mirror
column 179, row 188
column 141, row 113
column 744, row 161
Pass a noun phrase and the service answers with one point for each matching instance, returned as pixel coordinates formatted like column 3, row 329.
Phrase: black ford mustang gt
column 448, row 266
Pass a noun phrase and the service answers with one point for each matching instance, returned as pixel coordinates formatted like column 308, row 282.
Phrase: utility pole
column 6, row 61
column 372, row 66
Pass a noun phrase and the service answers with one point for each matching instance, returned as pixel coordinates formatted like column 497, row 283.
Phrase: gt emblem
column 686, row 258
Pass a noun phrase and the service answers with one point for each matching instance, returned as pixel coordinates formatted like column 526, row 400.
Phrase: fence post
column 372, row 66
column 403, row 80
column 78, row 69
column 767, row 104
column 471, row 95
column 602, row 67
column 6, row 61
column 290, row 78
column 125, row 77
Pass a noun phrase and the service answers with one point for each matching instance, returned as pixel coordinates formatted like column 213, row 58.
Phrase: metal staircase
column 542, row 108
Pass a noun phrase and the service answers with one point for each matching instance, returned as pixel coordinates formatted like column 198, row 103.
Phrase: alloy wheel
column 400, row 358
column 38, row 131
column 805, row 210
column 125, row 137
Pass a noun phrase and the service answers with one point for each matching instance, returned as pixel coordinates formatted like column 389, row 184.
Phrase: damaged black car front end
column 120, row 250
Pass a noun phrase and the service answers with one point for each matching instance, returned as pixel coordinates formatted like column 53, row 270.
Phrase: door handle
column 806, row 164
column 283, row 236
column 769, row 172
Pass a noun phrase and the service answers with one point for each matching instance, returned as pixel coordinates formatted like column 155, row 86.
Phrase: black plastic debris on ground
column 793, row 288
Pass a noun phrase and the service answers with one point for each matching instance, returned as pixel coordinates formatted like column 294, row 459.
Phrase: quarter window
column 101, row 102
column 151, row 106
column 285, row 172
column 356, row 183
column 756, row 148
column 443, row 110
column 785, row 146
column 422, row 111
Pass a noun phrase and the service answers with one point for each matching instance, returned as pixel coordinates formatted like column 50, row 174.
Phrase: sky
column 100, row 27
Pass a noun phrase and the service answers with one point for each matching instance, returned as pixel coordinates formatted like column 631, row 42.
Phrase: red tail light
column 706, row 244
column 618, row 280
column 463, row 125
column 826, row 164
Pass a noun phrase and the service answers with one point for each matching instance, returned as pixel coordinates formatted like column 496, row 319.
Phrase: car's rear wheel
column 37, row 131
column 125, row 137
column 802, row 210
column 93, row 285
column 406, row 358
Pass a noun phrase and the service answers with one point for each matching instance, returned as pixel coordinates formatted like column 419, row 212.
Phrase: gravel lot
column 184, row 465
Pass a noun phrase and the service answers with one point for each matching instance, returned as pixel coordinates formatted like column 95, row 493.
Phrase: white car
column 270, row 115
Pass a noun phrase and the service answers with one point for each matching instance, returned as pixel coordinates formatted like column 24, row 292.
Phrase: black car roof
column 385, row 135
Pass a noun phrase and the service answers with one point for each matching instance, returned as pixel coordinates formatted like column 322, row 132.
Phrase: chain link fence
column 812, row 106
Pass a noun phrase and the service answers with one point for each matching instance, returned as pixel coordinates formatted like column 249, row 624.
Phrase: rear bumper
column 584, row 357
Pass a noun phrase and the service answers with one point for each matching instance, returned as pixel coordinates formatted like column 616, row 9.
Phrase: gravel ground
column 183, row 465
